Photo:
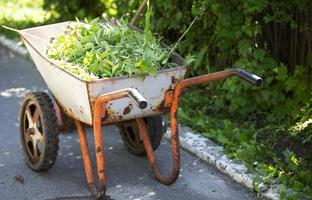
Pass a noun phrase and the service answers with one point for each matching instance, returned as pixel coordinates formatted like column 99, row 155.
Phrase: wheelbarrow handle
column 254, row 79
column 251, row 78
column 136, row 97
column 131, row 93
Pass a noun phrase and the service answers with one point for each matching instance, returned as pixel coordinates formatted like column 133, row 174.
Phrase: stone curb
column 214, row 154
column 13, row 45
column 200, row 146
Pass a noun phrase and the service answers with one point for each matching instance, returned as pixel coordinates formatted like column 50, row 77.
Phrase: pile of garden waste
column 103, row 49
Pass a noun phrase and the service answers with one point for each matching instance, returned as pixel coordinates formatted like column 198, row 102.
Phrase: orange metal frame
column 171, row 101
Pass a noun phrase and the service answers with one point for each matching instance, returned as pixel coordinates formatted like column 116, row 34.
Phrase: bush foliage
column 272, row 127
column 270, row 38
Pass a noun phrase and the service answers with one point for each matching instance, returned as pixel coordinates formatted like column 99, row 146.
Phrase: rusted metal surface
column 216, row 76
column 59, row 120
column 32, row 130
column 201, row 80
column 64, row 122
column 98, row 145
column 151, row 157
column 99, row 109
column 86, row 156
column 153, row 89
column 172, row 101
column 127, row 109
column 168, row 98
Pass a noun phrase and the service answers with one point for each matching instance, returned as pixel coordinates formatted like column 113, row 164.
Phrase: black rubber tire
column 46, row 156
column 129, row 132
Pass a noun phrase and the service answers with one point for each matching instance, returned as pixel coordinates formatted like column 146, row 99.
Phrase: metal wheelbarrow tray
column 77, row 96
column 116, row 100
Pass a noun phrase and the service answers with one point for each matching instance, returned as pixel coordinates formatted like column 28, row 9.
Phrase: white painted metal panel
column 153, row 89
column 44, row 33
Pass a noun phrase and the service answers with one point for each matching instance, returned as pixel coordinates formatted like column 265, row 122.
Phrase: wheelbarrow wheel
column 38, row 131
column 130, row 134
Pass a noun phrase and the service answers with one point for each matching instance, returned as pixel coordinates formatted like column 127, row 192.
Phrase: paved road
column 128, row 176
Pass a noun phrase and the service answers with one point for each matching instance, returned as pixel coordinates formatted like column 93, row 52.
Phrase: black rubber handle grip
column 251, row 78
column 137, row 98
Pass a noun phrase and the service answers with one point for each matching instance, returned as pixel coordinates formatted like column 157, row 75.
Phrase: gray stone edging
column 195, row 143
column 214, row 154
column 13, row 45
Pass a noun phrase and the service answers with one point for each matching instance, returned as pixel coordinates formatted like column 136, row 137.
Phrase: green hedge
column 270, row 38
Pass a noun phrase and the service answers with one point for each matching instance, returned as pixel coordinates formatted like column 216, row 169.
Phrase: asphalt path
column 128, row 176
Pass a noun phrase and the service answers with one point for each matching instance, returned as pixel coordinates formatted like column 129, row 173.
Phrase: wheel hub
column 33, row 135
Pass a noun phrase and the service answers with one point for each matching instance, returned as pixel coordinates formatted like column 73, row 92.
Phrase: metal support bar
column 86, row 156
column 173, row 102
column 251, row 78
column 151, row 156
column 99, row 108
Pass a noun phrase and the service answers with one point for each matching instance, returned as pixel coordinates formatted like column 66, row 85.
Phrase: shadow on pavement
column 79, row 198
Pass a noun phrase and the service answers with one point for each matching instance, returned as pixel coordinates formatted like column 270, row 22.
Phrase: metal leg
column 87, row 163
column 85, row 156
column 151, row 156
column 99, row 147
column 99, row 109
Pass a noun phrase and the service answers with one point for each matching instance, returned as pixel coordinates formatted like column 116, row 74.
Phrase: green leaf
column 189, row 59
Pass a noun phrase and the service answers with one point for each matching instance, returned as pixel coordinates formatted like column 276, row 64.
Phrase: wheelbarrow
column 134, row 103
